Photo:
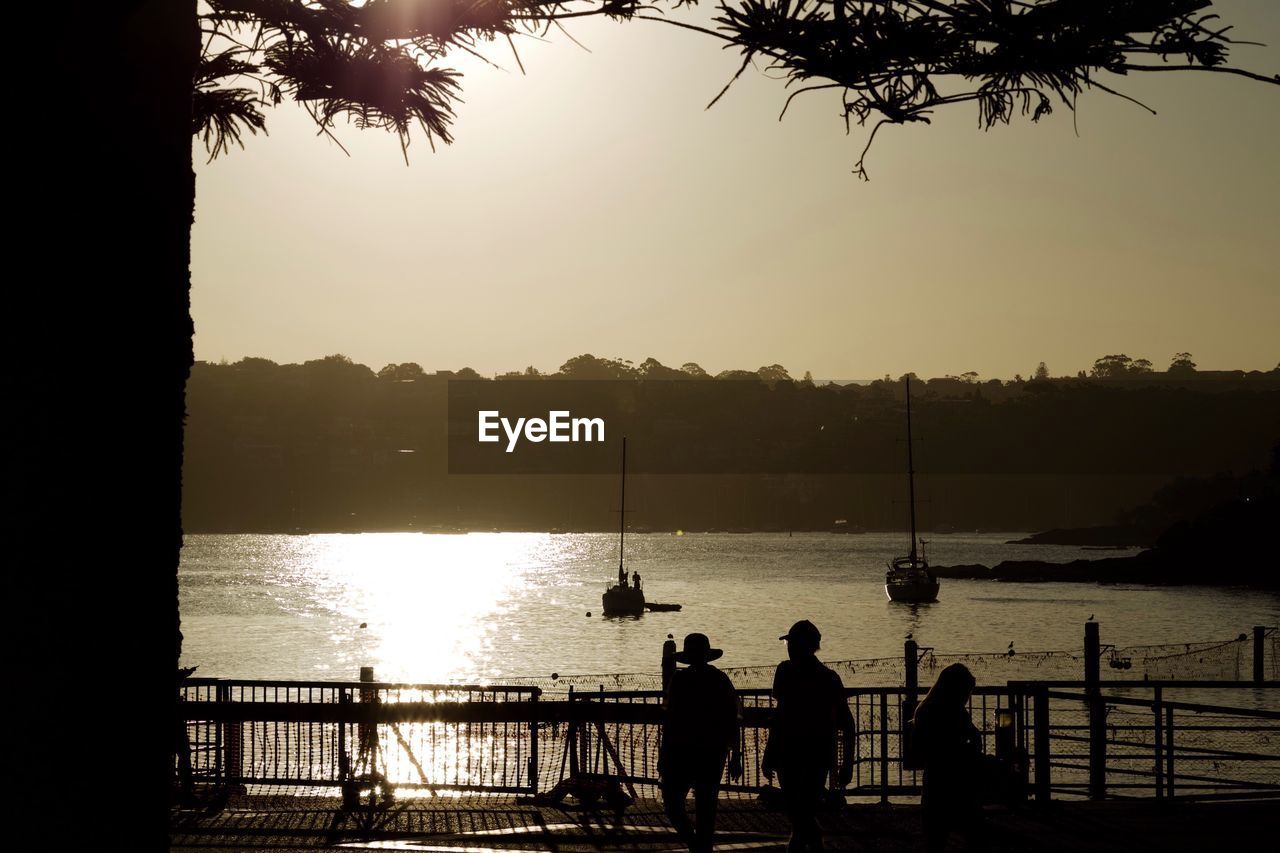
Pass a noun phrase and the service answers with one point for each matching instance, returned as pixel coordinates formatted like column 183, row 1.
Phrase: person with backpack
column 811, row 711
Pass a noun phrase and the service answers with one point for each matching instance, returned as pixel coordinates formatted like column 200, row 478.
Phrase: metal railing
column 322, row 734
column 1104, row 745
column 505, row 740
column 1091, row 738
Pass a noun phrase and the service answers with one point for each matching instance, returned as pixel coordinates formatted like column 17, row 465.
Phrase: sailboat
column 623, row 599
column 908, row 579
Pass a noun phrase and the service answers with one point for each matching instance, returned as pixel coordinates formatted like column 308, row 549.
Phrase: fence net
column 1216, row 660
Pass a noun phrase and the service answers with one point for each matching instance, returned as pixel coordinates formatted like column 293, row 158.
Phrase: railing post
column 1018, row 705
column 223, row 694
column 233, row 744
column 1097, row 712
column 602, row 756
column 533, row 748
column 1259, row 633
column 1157, row 708
column 572, row 736
column 911, row 661
column 1040, row 733
column 884, row 746
column 344, row 760
column 1168, row 751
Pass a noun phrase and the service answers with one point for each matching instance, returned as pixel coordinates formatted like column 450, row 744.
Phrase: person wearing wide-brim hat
column 697, row 649
column 699, row 731
column 811, row 710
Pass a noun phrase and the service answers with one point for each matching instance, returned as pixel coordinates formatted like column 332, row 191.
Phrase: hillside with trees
column 335, row 445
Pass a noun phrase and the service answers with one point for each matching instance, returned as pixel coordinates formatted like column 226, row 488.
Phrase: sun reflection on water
column 426, row 602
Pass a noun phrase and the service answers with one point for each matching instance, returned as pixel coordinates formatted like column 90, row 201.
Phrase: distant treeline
column 331, row 445
column 1109, row 367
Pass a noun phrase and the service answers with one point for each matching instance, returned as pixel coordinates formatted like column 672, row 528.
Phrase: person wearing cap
column 811, row 709
column 699, row 730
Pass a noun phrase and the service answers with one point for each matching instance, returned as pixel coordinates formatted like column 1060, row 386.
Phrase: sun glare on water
column 423, row 601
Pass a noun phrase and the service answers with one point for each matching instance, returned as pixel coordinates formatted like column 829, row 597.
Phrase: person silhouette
column 699, row 730
column 947, row 745
column 811, row 711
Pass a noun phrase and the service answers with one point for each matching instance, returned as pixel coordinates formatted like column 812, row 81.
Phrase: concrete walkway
column 470, row 825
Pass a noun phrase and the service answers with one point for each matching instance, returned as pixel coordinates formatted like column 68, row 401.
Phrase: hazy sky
column 595, row 206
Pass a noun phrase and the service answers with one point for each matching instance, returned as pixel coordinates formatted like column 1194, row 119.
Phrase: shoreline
column 1149, row 568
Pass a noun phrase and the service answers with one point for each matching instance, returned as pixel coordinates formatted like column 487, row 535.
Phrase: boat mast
column 622, row 517
column 911, row 474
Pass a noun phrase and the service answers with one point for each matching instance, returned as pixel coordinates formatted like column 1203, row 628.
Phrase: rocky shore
column 1153, row 567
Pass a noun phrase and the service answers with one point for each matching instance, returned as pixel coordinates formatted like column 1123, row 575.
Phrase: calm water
column 486, row 605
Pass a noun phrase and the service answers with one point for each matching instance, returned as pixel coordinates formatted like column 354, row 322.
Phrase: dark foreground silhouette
column 699, row 732
column 947, row 745
column 811, row 710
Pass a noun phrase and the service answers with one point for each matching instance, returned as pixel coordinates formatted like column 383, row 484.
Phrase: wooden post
column 668, row 661
column 1259, row 673
column 1040, row 732
column 584, row 746
column 368, row 731
column 1092, row 656
column 911, row 662
column 1097, row 712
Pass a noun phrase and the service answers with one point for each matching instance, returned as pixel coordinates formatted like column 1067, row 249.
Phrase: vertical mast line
column 622, row 515
column 911, row 474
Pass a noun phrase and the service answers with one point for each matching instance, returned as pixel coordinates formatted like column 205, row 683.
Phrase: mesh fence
column 1217, row 660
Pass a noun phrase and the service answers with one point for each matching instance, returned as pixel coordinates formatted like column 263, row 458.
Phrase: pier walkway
column 502, row 825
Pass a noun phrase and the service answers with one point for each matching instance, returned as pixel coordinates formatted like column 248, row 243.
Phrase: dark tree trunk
column 100, row 336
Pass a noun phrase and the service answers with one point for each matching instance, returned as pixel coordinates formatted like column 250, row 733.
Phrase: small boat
column 908, row 579
column 623, row 599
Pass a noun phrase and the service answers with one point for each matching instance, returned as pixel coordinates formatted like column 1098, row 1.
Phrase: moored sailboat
column 908, row 579
column 623, row 599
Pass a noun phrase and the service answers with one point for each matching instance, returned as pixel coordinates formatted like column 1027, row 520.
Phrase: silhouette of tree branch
column 902, row 59
column 1274, row 78
column 376, row 62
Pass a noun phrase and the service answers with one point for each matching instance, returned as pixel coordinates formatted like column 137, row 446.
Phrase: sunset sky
column 593, row 205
